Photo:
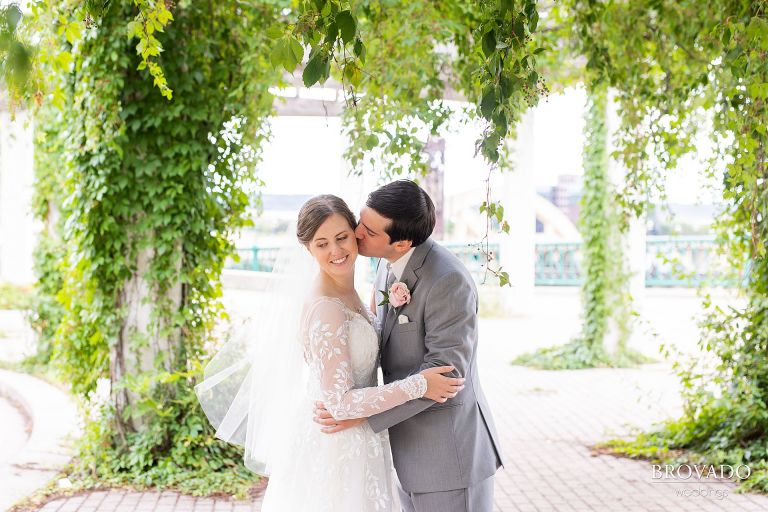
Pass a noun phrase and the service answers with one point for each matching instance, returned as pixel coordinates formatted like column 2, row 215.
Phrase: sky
column 305, row 155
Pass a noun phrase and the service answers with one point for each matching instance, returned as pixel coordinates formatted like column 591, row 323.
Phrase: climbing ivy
column 149, row 188
column 604, row 292
column 154, row 115
column 15, row 53
column 486, row 54
column 681, row 67
column 606, row 301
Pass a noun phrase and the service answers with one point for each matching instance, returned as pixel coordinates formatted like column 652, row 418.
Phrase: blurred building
column 682, row 219
column 565, row 195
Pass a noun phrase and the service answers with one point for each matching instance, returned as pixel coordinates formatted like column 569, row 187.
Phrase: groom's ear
column 403, row 246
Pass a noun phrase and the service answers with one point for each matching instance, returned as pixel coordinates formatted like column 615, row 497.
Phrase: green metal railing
column 670, row 261
column 258, row 259
column 472, row 257
column 680, row 261
column 262, row 259
column 685, row 261
column 557, row 264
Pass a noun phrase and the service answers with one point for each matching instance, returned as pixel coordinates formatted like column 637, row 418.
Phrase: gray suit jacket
column 436, row 447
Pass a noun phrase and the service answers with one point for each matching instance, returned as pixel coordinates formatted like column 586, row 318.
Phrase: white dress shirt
column 398, row 267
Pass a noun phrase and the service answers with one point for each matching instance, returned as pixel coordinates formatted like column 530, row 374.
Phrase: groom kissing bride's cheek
column 429, row 420
column 444, row 447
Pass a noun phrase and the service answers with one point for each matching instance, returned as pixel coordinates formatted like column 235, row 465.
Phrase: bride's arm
column 329, row 344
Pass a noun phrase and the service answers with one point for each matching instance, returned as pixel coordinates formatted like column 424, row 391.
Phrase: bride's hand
column 439, row 387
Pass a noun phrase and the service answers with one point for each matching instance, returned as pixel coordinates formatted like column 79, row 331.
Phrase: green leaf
column 502, row 126
column 518, row 29
column 274, row 32
column 533, row 21
column 326, row 9
column 314, row 70
column 289, row 58
column 359, row 50
column 488, row 102
column 332, row 33
column 489, row 43
column 296, row 49
column 505, row 87
column 347, row 26
column 278, row 54
column 490, row 152
column 352, row 73
column 726, row 38
column 371, row 142
column 12, row 16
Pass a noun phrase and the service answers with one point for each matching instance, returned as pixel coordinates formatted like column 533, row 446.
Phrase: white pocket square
column 402, row 319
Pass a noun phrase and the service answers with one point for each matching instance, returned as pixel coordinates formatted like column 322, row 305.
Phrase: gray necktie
column 390, row 281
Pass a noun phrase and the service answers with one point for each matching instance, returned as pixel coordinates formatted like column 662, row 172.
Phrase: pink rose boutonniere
column 397, row 296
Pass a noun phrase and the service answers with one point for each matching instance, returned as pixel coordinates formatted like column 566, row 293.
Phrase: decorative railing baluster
column 670, row 261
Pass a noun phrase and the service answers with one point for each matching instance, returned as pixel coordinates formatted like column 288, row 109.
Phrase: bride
column 309, row 470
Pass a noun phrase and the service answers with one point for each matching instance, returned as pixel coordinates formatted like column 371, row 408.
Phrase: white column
column 17, row 226
column 518, row 195
column 633, row 242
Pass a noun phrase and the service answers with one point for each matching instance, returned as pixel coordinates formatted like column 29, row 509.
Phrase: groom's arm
column 450, row 318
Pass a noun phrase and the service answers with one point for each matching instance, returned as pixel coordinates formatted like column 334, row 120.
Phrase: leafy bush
column 13, row 296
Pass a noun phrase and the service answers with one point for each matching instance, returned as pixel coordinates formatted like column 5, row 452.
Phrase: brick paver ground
column 548, row 421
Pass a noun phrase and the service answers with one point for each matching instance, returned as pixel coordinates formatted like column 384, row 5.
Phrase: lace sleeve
column 328, row 338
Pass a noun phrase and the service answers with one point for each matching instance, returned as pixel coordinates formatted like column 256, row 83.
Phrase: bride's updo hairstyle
column 315, row 211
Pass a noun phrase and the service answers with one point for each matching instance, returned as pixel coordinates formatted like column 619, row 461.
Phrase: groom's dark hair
column 408, row 206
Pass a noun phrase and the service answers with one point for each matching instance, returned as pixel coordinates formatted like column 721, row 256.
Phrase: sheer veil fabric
column 259, row 389
column 254, row 384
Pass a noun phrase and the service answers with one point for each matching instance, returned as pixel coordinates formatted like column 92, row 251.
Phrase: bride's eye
column 342, row 238
column 321, row 245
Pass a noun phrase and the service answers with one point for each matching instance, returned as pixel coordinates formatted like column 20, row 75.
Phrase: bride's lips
column 340, row 261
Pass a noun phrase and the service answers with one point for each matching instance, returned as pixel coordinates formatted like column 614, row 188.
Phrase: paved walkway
column 37, row 421
column 548, row 421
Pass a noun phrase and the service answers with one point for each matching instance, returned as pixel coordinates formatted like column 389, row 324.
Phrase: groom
column 445, row 454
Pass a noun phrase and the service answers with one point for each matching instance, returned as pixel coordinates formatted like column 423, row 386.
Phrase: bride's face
column 334, row 246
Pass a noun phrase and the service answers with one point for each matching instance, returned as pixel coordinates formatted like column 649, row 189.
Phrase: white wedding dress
column 348, row 471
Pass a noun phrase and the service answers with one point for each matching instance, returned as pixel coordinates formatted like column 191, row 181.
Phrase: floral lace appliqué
column 331, row 361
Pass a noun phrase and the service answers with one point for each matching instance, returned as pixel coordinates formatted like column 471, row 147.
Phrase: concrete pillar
column 433, row 183
column 17, row 225
column 518, row 195
column 633, row 241
column 141, row 341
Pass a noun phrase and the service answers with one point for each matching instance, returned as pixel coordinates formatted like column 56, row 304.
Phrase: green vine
column 149, row 191
column 15, row 54
column 605, row 297
column 677, row 63
column 142, row 192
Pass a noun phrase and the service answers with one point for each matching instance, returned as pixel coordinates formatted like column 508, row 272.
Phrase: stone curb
column 48, row 449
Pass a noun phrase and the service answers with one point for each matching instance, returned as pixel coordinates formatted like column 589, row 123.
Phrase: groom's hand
column 330, row 425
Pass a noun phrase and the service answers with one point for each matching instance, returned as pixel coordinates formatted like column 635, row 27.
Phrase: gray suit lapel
column 410, row 277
